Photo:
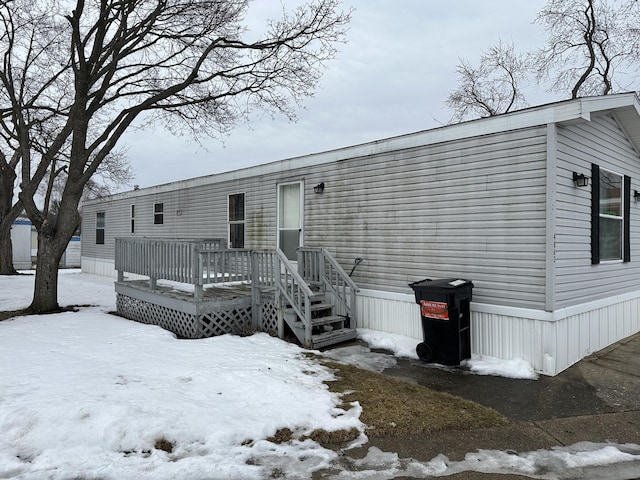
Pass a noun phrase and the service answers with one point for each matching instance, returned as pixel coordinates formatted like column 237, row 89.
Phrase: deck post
column 256, row 300
column 301, row 262
column 197, row 271
column 279, row 307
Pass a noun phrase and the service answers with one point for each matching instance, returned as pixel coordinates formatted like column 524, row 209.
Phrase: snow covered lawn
column 90, row 395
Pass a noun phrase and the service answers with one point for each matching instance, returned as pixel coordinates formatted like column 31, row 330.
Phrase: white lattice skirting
column 236, row 320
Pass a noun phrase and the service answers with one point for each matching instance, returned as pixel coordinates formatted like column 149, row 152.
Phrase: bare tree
column 21, row 49
column 28, row 50
column 9, row 210
column 492, row 88
column 114, row 173
column 188, row 63
column 588, row 42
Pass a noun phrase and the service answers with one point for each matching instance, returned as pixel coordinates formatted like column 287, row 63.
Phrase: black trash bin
column 446, row 318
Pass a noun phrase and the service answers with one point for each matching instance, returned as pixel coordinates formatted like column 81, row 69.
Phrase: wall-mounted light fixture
column 319, row 188
column 580, row 179
column 636, row 195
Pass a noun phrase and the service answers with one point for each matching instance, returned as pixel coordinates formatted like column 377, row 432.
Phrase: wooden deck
column 196, row 289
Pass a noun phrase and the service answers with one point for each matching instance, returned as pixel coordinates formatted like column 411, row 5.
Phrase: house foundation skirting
column 98, row 266
column 550, row 341
column 187, row 319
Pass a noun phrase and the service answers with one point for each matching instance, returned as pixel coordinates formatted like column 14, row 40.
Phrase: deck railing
column 221, row 266
column 198, row 262
column 318, row 267
column 169, row 259
column 294, row 290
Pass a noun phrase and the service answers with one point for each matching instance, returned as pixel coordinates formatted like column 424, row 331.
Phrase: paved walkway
column 596, row 400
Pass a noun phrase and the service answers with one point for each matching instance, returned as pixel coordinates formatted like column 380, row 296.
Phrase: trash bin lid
column 445, row 283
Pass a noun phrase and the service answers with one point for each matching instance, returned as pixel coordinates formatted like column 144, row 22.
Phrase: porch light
column 319, row 188
column 636, row 195
column 580, row 179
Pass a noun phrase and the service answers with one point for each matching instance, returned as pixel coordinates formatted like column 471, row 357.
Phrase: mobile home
column 539, row 208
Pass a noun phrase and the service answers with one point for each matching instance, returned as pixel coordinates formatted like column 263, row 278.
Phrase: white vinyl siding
column 473, row 208
column 600, row 141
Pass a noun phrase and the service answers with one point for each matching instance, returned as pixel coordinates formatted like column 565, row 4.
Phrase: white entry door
column 290, row 215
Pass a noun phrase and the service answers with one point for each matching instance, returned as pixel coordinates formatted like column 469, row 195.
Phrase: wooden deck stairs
column 327, row 328
column 317, row 299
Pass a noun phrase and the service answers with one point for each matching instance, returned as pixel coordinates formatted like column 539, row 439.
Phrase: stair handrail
column 292, row 287
column 336, row 280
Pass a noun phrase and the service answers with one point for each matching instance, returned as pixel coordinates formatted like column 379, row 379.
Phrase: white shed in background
column 21, row 241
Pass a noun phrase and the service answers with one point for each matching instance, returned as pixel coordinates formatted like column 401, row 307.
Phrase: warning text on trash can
column 438, row 310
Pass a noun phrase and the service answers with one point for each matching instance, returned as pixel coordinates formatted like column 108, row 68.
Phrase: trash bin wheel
column 424, row 352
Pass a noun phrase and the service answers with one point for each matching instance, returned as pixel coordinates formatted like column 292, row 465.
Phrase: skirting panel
column 236, row 321
column 98, row 266
column 550, row 341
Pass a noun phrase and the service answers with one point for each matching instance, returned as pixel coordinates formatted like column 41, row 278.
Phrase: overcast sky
column 390, row 78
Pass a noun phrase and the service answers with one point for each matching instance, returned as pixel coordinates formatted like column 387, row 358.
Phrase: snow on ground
column 511, row 368
column 402, row 346
column 88, row 395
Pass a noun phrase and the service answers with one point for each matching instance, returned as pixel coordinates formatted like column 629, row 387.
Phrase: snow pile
column 362, row 357
column 513, row 368
column 582, row 460
column 400, row 345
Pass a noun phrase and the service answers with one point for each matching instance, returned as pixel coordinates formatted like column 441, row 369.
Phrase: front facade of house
column 555, row 266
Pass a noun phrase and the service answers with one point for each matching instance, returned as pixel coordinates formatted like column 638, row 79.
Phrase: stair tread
column 314, row 307
column 335, row 336
column 318, row 321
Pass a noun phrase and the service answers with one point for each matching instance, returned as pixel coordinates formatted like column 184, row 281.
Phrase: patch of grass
column 325, row 438
column 12, row 313
column 283, row 435
column 7, row 314
column 164, row 445
column 333, row 439
column 391, row 407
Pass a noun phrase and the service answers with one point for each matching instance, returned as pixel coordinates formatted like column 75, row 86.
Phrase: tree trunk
column 8, row 213
column 45, row 294
column 6, row 249
column 54, row 235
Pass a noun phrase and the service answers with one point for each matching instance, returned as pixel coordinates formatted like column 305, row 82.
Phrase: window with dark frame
column 158, row 213
column 133, row 219
column 610, row 208
column 236, row 220
column 100, row 224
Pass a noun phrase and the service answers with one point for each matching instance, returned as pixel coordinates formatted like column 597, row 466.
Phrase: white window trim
column 158, row 213
column 615, row 217
column 302, row 199
column 236, row 222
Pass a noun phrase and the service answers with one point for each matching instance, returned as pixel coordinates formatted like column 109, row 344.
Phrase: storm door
column 290, row 215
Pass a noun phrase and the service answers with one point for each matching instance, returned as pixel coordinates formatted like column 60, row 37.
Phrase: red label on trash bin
column 439, row 310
